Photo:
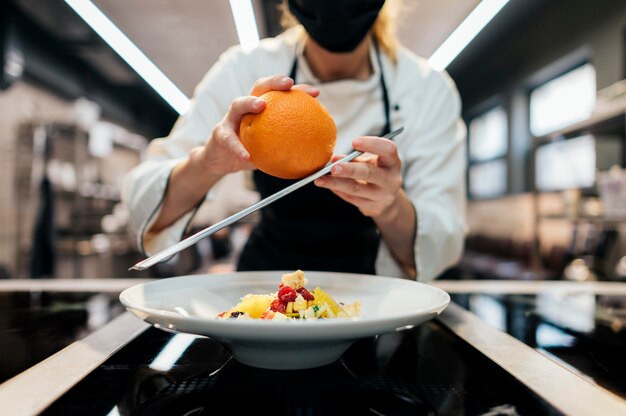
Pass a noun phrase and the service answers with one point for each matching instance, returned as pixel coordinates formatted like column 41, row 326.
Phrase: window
column 566, row 164
column 487, row 151
column 488, row 180
column 488, row 135
column 563, row 101
column 574, row 162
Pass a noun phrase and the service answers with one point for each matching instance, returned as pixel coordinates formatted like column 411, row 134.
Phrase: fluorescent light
column 245, row 22
column 131, row 54
column 463, row 35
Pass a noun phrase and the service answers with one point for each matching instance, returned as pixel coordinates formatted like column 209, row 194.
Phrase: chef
column 398, row 211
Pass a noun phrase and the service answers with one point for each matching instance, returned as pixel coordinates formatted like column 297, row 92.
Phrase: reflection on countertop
column 584, row 331
column 36, row 324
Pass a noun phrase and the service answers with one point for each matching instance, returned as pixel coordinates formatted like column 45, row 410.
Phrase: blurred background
column 543, row 92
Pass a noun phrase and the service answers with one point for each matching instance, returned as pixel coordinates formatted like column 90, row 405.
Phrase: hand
column 371, row 182
column 223, row 152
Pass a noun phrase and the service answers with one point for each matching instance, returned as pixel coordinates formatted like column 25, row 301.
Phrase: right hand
column 223, row 152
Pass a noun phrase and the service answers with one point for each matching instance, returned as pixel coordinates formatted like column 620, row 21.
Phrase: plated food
column 291, row 301
column 190, row 304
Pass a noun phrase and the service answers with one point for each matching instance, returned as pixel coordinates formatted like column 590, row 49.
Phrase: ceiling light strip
column 463, row 35
column 245, row 22
column 125, row 48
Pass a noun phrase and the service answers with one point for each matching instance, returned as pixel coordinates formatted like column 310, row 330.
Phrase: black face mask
column 336, row 25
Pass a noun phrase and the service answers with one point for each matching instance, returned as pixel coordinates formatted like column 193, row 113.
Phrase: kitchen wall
column 89, row 222
column 526, row 45
column 21, row 103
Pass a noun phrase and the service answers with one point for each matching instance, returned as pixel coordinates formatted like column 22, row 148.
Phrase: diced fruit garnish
column 292, row 300
column 279, row 317
column 287, row 294
column 300, row 303
column 306, row 294
column 309, row 313
column 268, row 315
column 254, row 305
column 277, row 306
column 321, row 298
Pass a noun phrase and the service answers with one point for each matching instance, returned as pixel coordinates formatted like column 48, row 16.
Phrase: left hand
column 371, row 182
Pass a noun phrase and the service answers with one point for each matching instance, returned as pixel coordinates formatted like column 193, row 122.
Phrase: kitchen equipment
column 193, row 239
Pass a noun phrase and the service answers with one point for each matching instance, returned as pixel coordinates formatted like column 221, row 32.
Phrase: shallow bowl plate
column 189, row 304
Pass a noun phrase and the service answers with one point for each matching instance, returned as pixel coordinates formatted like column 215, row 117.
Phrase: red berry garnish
column 306, row 294
column 277, row 306
column 287, row 294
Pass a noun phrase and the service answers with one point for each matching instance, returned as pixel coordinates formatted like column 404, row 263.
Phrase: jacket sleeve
column 433, row 168
column 144, row 186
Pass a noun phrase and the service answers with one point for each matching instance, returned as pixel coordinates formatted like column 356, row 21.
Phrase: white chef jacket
column 432, row 146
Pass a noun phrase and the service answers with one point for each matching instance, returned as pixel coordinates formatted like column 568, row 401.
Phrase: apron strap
column 383, row 86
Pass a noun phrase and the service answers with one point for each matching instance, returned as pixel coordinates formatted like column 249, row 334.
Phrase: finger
column 329, row 183
column 366, row 172
column 386, row 150
column 227, row 137
column 274, row 82
column 312, row 91
column 241, row 106
column 367, row 206
column 350, row 187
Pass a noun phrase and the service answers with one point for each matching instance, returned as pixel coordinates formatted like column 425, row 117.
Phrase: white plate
column 190, row 304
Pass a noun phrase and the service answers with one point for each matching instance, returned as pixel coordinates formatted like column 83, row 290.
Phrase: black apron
column 312, row 228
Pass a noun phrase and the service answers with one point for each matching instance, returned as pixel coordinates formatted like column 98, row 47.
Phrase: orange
column 293, row 137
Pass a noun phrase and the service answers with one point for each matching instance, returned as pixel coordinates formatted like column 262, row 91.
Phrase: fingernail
column 337, row 170
column 285, row 79
column 259, row 102
column 320, row 181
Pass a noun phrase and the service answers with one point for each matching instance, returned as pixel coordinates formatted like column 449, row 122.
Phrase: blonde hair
column 383, row 30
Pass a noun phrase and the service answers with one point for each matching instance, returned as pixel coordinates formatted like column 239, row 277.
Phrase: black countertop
column 427, row 370
column 583, row 331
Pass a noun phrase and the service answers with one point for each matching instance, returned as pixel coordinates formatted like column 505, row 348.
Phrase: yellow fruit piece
column 299, row 304
column 254, row 305
column 321, row 297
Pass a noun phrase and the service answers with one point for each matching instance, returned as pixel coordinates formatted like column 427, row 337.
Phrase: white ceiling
column 184, row 38
column 427, row 23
